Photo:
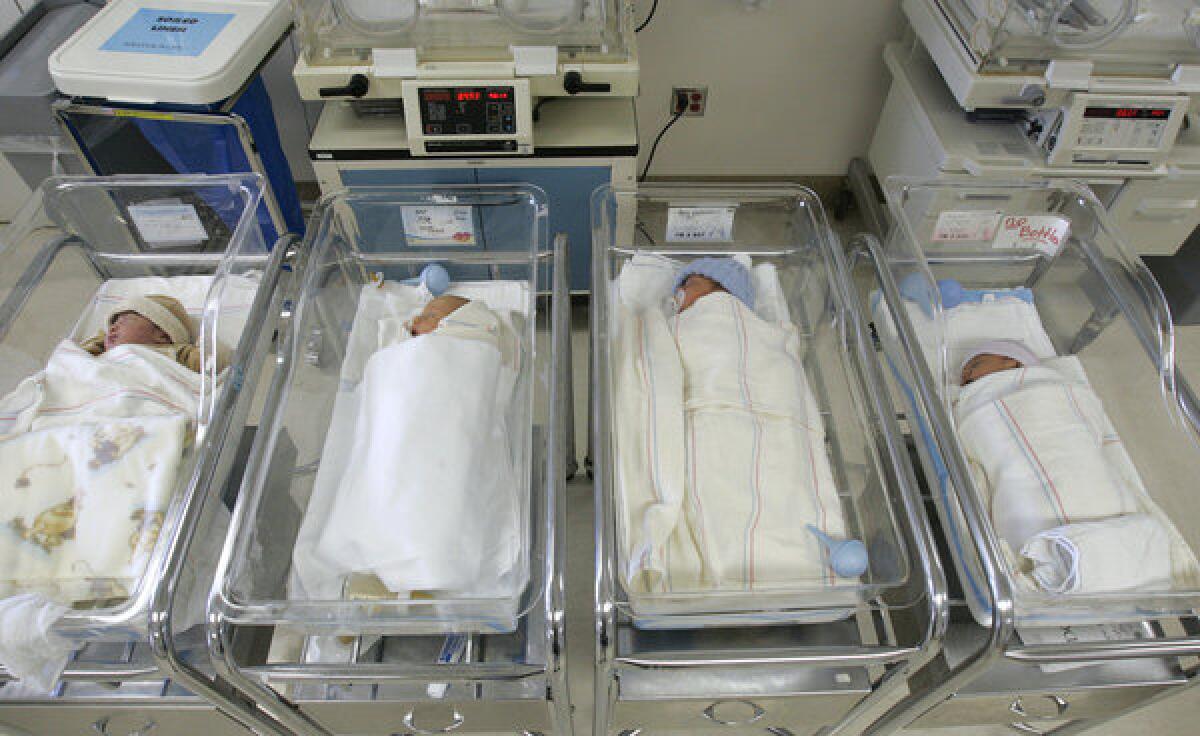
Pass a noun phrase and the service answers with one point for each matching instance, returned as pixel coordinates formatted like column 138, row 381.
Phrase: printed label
column 167, row 32
column 700, row 224
column 1075, row 634
column 1041, row 232
column 966, row 227
column 168, row 224
column 439, row 225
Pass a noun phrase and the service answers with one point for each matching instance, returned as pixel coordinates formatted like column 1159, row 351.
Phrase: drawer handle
column 456, row 720
column 100, row 726
column 754, row 714
column 1027, row 729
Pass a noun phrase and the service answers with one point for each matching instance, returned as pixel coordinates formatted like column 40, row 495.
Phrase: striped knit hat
column 165, row 312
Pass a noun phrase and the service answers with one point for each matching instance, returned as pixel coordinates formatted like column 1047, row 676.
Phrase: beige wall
column 795, row 89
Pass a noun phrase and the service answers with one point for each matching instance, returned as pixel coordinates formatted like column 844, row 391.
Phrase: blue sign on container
column 167, row 32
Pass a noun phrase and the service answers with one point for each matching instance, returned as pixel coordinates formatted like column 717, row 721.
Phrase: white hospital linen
column 30, row 649
column 1049, row 457
column 724, row 503
column 418, row 483
column 1130, row 552
column 90, row 450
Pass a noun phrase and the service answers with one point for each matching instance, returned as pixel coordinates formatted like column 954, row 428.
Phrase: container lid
column 194, row 52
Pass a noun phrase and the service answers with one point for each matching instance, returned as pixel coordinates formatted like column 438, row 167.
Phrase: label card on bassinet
column 971, row 226
column 1039, row 232
column 439, row 225
column 168, row 224
column 700, row 224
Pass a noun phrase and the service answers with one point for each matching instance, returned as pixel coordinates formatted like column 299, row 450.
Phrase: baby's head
column 434, row 312
column 993, row 357
column 709, row 275
column 155, row 319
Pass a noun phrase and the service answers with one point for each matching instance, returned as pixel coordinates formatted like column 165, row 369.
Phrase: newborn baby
column 434, row 312
column 995, row 356
column 157, row 321
column 720, row 443
column 706, row 276
column 1060, row 488
column 471, row 320
column 418, row 490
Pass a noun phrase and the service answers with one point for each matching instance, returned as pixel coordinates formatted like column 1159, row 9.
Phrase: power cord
column 681, row 106
column 649, row 15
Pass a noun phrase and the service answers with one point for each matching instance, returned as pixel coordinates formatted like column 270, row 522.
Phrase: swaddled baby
column 1061, row 488
column 721, row 444
column 417, row 491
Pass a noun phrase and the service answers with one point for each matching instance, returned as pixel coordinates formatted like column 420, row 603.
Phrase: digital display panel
column 468, row 110
column 1128, row 113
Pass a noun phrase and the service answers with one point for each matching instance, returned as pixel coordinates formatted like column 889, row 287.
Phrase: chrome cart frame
column 791, row 678
column 154, row 685
column 985, row 674
column 504, row 682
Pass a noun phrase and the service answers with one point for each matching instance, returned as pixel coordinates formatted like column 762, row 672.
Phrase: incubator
column 971, row 262
column 496, row 641
column 809, row 642
column 468, row 73
column 487, row 92
column 1098, row 90
column 120, row 463
column 989, row 50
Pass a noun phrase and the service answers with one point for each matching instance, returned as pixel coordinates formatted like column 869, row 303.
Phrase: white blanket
column 720, row 452
column 418, row 483
column 1049, row 458
column 90, row 450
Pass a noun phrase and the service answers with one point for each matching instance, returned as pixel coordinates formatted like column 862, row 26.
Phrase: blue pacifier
column 433, row 277
column 952, row 293
column 847, row 557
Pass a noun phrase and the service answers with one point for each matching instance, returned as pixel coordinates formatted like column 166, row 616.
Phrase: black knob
column 356, row 87
column 573, row 83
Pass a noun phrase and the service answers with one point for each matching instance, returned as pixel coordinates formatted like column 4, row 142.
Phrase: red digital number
column 1126, row 112
column 469, row 96
column 497, row 95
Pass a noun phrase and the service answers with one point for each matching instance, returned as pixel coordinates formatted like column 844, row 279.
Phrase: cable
column 537, row 109
column 681, row 105
column 649, row 15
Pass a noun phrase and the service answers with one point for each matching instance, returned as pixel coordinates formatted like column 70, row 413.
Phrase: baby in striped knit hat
column 155, row 320
column 995, row 356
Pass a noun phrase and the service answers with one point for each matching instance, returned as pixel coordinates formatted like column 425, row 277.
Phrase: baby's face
column 131, row 328
column 986, row 364
column 433, row 314
column 694, row 287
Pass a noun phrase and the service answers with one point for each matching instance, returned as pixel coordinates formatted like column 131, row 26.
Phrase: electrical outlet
column 697, row 99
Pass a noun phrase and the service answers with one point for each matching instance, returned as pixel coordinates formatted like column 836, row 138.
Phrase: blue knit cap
column 727, row 272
